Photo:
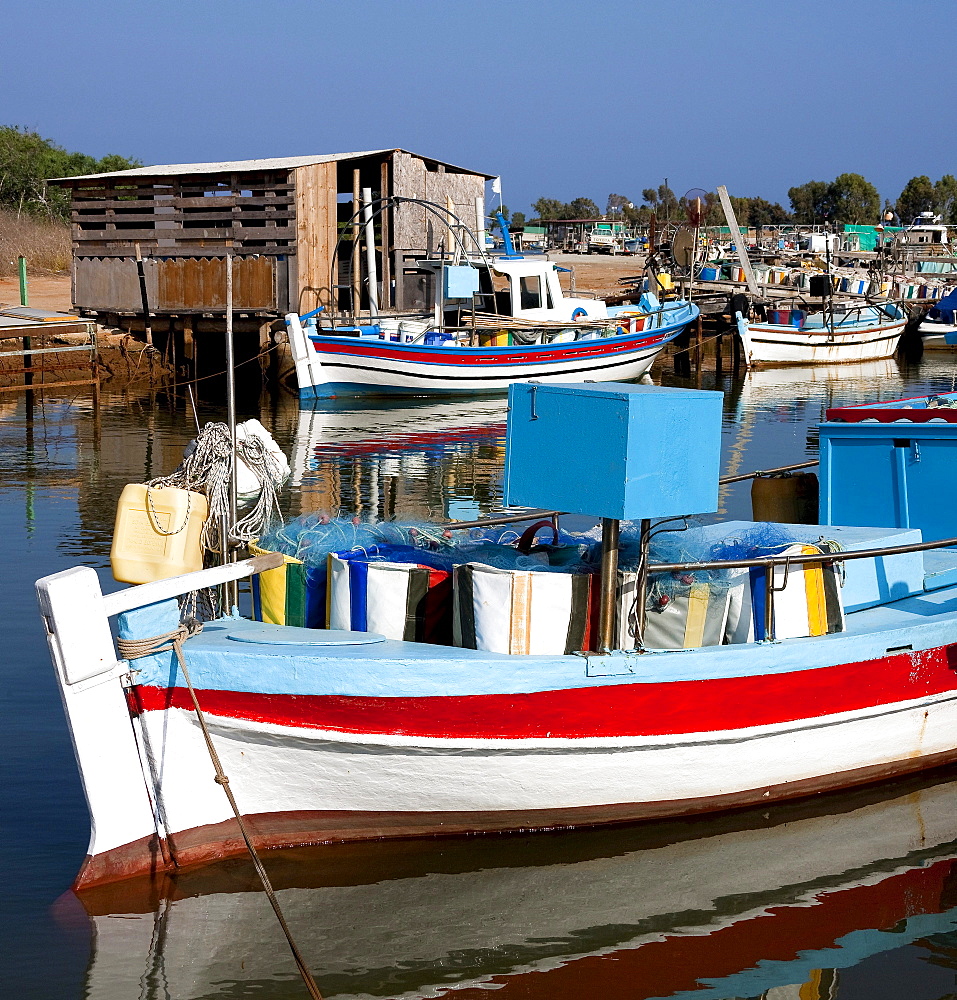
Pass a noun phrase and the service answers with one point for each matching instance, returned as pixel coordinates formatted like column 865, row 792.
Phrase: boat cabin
column 532, row 290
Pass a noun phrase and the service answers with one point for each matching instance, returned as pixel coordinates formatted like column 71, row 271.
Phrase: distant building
column 280, row 219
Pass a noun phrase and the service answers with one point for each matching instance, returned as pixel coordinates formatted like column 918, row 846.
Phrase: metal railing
column 767, row 563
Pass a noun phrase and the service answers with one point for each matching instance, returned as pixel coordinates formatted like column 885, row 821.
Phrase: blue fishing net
column 312, row 537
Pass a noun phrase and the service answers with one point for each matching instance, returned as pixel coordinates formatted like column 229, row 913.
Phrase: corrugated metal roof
column 238, row 166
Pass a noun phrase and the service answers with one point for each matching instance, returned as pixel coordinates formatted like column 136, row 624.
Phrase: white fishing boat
column 834, row 335
column 538, row 333
column 699, row 692
column 938, row 328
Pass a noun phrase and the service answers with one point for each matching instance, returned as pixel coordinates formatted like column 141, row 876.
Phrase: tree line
column 849, row 198
column 27, row 160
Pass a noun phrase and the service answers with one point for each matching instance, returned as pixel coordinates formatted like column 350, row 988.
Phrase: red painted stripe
column 634, row 709
column 514, row 356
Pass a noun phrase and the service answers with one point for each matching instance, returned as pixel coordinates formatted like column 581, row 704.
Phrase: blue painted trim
column 409, row 669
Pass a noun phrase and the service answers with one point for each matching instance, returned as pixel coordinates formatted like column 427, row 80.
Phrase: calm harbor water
column 854, row 896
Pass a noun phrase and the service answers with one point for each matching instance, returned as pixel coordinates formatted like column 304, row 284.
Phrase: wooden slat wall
column 184, row 215
column 180, row 285
column 408, row 221
column 316, row 232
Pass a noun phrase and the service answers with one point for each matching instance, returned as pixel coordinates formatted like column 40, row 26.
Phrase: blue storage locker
column 900, row 474
column 613, row 450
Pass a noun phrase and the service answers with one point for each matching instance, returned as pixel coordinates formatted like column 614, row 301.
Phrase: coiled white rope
column 208, row 469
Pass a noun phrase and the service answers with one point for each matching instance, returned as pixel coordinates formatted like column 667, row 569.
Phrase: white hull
column 332, row 366
column 788, row 345
column 285, row 769
column 341, row 373
column 934, row 336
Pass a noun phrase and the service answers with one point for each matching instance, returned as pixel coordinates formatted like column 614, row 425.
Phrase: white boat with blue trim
column 538, row 334
column 938, row 328
column 836, row 334
column 728, row 682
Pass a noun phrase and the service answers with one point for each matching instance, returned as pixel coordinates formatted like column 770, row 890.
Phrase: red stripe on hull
column 460, row 359
column 620, row 710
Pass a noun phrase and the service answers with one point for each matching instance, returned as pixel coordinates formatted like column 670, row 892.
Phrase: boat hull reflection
column 731, row 906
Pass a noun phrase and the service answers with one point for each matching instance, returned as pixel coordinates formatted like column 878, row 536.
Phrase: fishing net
column 313, row 537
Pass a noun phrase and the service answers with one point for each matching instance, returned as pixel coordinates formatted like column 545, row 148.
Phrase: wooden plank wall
column 190, row 215
column 179, row 285
column 412, row 179
column 316, row 233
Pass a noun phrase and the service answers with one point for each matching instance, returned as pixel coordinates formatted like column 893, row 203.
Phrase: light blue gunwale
column 407, row 669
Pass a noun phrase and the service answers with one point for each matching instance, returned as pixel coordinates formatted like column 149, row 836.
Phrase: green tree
column 518, row 220
column 549, row 208
column 582, row 208
column 854, row 199
column 617, row 205
column 918, row 196
column 766, row 213
column 945, row 198
column 27, row 160
column 662, row 201
column 810, row 202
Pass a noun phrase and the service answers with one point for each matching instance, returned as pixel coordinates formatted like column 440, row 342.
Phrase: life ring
column 578, row 314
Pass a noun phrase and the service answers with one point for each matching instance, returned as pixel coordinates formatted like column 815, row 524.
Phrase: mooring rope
column 131, row 649
column 208, row 469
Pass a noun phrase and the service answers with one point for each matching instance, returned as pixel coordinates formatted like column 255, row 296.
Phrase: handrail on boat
column 768, row 563
column 491, row 522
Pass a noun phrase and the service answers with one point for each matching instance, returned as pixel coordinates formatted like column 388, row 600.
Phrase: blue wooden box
column 892, row 464
column 613, row 450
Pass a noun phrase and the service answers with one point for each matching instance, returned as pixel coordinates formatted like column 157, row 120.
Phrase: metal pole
column 227, row 555
column 22, row 267
column 769, row 602
column 641, row 586
column 371, row 270
column 610, row 531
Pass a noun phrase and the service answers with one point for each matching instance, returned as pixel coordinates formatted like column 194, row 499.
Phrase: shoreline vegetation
column 45, row 243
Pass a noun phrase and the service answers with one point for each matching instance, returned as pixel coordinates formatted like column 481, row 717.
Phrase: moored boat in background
column 538, row 333
column 834, row 335
column 938, row 328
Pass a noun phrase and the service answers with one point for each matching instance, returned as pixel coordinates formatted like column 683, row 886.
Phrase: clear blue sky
column 561, row 98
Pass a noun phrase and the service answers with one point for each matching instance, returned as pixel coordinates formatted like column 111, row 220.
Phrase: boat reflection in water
column 411, row 460
column 811, row 389
column 734, row 906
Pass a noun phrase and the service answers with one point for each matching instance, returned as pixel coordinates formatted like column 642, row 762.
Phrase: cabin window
column 530, row 289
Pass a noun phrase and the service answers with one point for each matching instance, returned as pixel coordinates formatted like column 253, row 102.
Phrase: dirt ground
column 43, row 292
column 599, row 274
column 593, row 274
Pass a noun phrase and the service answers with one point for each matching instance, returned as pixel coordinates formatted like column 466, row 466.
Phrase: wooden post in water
column 27, row 341
column 141, row 274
